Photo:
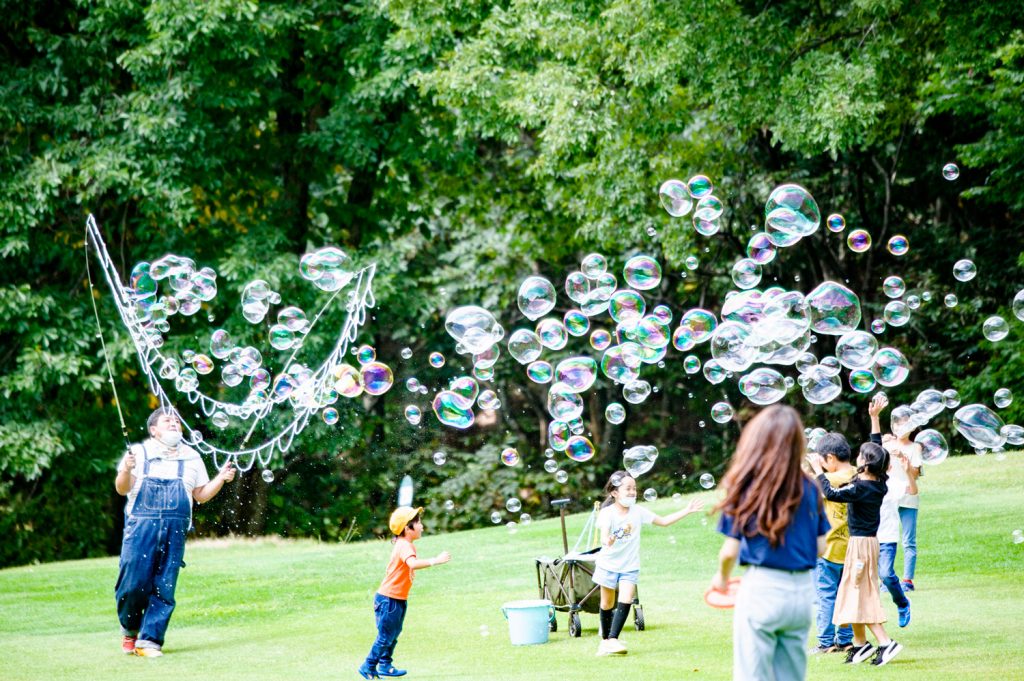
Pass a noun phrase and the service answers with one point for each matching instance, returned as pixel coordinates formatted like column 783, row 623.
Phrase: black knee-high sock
column 619, row 619
column 606, row 622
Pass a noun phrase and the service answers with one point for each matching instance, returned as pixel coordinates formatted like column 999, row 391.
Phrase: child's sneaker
column 615, row 647
column 148, row 652
column 128, row 644
column 821, row 650
column 390, row 670
column 856, row 655
column 886, row 653
column 602, row 648
column 367, row 672
column 908, row 584
column 904, row 614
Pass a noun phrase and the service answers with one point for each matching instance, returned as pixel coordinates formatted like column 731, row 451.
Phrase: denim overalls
column 151, row 555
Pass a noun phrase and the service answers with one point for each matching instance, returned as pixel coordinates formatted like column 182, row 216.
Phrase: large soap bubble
column 964, row 270
column 675, row 199
column 763, row 386
column 328, row 268
column 980, row 425
column 552, row 333
column 626, row 306
column 856, row 349
column 995, row 328
column 791, row 209
column 451, row 410
column 902, row 421
column 729, row 346
column 834, row 309
column 785, row 318
column 760, row 249
column 474, row 327
column 639, row 459
column 536, row 297
column 642, row 272
column 934, row 449
column 524, row 346
column 621, row 363
column 746, row 273
column 580, row 449
column 819, row 386
column 890, row 367
column 563, row 403
column 578, row 373
column 376, row 378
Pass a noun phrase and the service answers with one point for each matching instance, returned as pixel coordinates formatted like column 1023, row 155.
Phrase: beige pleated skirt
column 858, row 600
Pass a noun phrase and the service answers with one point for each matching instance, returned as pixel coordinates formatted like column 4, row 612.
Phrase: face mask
column 170, row 438
column 627, row 501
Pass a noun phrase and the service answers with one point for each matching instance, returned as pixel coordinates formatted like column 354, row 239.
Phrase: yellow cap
column 401, row 517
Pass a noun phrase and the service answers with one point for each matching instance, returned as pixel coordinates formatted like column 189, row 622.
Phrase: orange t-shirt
column 398, row 576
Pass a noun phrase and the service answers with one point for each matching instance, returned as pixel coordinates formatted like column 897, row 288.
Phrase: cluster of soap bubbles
column 678, row 199
column 189, row 288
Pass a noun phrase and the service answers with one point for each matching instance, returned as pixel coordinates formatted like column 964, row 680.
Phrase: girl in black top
column 858, row 601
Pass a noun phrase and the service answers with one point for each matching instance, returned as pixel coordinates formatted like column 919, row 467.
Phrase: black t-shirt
column 863, row 503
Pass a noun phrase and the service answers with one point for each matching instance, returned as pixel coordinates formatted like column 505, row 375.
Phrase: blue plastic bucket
column 528, row 621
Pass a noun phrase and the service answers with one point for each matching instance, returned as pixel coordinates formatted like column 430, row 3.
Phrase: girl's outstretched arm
column 664, row 521
column 727, row 556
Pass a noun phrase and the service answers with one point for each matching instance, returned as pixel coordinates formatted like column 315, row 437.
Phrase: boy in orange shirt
column 391, row 599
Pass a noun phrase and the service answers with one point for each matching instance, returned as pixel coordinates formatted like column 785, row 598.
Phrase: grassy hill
column 301, row 610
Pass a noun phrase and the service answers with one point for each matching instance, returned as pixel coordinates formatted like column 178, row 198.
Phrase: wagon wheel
column 638, row 617
column 575, row 630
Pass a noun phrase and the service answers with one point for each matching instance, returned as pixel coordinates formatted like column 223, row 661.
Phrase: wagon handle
column 560, row 504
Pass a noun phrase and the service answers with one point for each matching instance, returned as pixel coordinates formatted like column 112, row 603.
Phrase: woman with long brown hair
column 775, row 523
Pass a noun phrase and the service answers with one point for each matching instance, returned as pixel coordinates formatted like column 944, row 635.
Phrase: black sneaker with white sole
column 886, row 653
column 856, row 654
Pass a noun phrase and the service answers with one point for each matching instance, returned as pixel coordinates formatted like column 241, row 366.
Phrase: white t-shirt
column 163, row 463
column 624, row 554
column 889, row 515
column 896, row 472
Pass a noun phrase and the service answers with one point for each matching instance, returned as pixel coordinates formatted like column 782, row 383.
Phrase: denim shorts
column 610, row 580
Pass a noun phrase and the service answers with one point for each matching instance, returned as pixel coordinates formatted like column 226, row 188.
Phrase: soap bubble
column 890, row 367
column 980, row 425
column 877, row 326
column 836, row 222
column 440, row 458
column 513, row 505
column 281, row 337
column 714, row 372
column 636, row 391
column 913, row 301
column 510, row 456
column 621, row 363
column 1003, row 398
column 893, row 286
column 578, row 373
column 901, row 420
column 858, row 241
column 452, row 410
column 951, row 398
column 730, row 348
column 651, row 332
column 436, row 360
column 328, row 268
column 536, row 297
column 552, row 334
column 1017, row 536
column 763, row 386
column 330, row 416
column 406, row 353
column 707, row 481
column 760, row 249
column 709, row 208
column 1014, row 434
column 496, row 517
column 267, row 475
column 561, row 477
column 691, row 263
column 187, row 380
column 376, row 378
column 558, row 435
column 413, row 414
column 675, row 198
column 615, row 413
column 663, row 313
column 950, row 171
column 699, row 186
column 650, row 494
column 691, row 364
column 576, row 323
column 950, row 300
column 600, row 339
column 722, row 412
column 834, row 309
column 540, row 372
column 746, row 273
column 577, row 287
column 563, row 403
column 964, row 270
column 896, row 313
column 862, row 381
column 593, row 265
column 639, row 459
column 898, row 245
column 1018, row 305
column 580, row 449
column 932, row 402
column 524, row 346
column 934, row 449
column 551, row 465
column 474, row 327
column 705, row 226
column 626, row 306
column 347, row 381
column 642, row 272
column 856, row 349
column 995, row 328
column 792, row 210
column 819, row 386
column 220, row 344
column 696, row 326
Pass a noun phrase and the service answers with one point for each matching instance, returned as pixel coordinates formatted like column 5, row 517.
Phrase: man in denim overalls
column 161, row 477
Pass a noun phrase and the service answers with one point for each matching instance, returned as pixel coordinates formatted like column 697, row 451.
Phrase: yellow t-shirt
column 837, row 537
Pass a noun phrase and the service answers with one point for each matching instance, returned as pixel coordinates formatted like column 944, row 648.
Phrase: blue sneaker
column 390, row 670
column 368, row 672
column 904, row 614
column 908, row 584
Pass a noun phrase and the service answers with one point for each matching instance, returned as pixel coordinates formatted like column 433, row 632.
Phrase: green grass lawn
column 302, row 610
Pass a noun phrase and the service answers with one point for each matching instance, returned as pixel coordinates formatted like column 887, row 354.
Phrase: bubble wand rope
column 99, row 334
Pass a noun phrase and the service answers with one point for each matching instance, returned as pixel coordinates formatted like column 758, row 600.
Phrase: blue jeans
column 908, row 521
column 887, row 573
column 390, row 614
column 774, row 611
column 827, row 577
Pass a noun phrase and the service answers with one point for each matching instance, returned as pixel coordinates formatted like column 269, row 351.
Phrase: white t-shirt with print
column 897, row 473
column 163, row 463
column 624, row 554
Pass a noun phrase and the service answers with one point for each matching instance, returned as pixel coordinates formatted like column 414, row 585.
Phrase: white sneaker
column 602, row 648
column 616, row 647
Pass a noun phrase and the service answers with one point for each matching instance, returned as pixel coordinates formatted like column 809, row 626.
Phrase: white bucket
column 528, row 621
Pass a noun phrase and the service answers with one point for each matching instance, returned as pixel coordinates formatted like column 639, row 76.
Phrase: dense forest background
column 463, row 145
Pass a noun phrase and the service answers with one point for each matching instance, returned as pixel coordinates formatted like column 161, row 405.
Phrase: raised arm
column 875, row 407
column 846, row 493
column 212, row 488
column 421, row 563
column 664, row 521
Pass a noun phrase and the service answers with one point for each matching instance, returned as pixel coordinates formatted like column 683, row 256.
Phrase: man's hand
column 227, row 474
column 129, row 462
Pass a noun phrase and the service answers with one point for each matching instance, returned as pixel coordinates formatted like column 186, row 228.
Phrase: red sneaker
column 128, row 644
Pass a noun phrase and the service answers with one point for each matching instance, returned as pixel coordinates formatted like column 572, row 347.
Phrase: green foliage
column 462, row 146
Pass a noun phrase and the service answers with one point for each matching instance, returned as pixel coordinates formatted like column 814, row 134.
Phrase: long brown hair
column 764, row 483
